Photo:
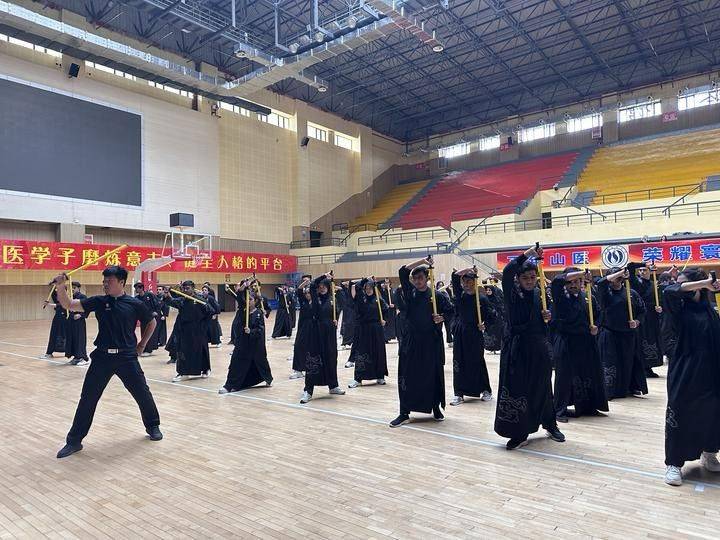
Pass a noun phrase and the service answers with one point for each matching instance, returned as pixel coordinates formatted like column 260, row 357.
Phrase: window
column 343, row 142
column 543, row 131
column 584, row 122
column 455, row 150
column 489, row 143
column 275, row 119
column 698, row 99
column 641, row 110
column 20, row 42
column 108, row 69
column 27, row 45
column 172, row 90
column 317, row 133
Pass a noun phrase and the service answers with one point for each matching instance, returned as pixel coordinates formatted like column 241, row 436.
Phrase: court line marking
column 473, row 440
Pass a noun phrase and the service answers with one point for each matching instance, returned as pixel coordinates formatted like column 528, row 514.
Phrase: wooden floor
column 259, row 464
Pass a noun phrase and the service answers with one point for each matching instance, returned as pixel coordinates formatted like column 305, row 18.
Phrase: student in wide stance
column 692, row 417
column 525, row 398
column 116, row 353
column 368, row 354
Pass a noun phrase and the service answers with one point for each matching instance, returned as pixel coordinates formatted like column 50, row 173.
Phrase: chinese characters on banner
column 672, row 252
column 35, row 255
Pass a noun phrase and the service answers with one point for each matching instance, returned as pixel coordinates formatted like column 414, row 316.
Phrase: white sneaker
column 457, row 400
column 178, row 378
column 337, row 391
column 84, row 362
column 349, row 364
column 710, row 462
column 268, row 384
column 223, row 390
column 43, row 356
column 296, row 375
column 353, row 384
column 486, row 396
column 381, row 382
column 305, row 397
column 673, row 476
column 205, row 375
column 145, row 354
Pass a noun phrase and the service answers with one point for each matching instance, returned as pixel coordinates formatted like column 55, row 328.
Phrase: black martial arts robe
column 579, row 377
column 494, row 331
column 150, row 300
column 649, row 332
column 368, row 352
column 321, row 357
column 76, row 338
column 283, row 322
column 249, row 364
column 421, row 355
column 214, row 332
column 401, row 319
column 390, row 328
column 58, row 328
column 347, row 328
column 623, row 368
column 162, row 335
column 238, row 320
column 192, row 353
column 449, row 318
column 525, row 399
column 668, row 334
column 470, row 373
column 692, row 417
column 302, row 336
column 292, row 305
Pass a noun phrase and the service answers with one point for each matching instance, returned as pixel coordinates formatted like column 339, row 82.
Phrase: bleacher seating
column 390, row 204
column 661, row 167
column 485, row 192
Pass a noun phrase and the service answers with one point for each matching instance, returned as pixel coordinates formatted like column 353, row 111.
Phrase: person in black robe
column 348, row 327
column 401, row 319
column 214, row 332
column 150, row 301
column 249, row 364
column 649, row 331
column 470, row 373
column 692, row 416
column 668, row 335
column 623, row 368
column 172, row 343
column 321, row 356
column 390, row 328
column 162, row 336
column 292, row 306
column 58, row 328
column 193, row 355
column 440, row 290
column 421, row 356
column 238, row 320
column 302, row 336
column 369, row 355
column 283, row 322
column 76, row 338
column 211, row 292
column 525, row 400
column 494, row 330
column 578, row 371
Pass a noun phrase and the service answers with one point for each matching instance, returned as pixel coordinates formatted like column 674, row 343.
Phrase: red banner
column 559, row 258
column 35, row 255
column 671, row 252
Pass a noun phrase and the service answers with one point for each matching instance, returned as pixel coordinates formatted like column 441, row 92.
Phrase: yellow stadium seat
column 390, row 204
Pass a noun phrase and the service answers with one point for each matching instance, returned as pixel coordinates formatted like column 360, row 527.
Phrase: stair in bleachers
column 395, row 218
column 390, row 203
column 480, row 193
column 570, row 178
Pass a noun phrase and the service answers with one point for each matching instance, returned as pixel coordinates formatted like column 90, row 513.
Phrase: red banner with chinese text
column 678, row 252
column 559, row 258
column 37, row 255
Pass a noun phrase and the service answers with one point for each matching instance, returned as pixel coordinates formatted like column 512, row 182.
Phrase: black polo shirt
column 117, row 319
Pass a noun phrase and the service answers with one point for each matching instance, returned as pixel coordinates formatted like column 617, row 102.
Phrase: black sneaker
column 438, row 415
column 155, row 434
column 400, row 420
column 513, row 444
column 555, row 434
column 562, row 417
column 68, row 450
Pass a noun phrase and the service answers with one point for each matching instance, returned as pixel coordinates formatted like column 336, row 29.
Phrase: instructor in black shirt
column 116, row 353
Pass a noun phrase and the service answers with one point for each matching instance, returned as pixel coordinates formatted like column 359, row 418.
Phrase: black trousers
column 101, row 370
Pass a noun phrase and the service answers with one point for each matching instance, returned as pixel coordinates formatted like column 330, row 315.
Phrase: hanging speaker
column 304, row 141
column 74, row 70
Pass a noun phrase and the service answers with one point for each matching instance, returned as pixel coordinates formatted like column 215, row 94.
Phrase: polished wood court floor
column 259, row 464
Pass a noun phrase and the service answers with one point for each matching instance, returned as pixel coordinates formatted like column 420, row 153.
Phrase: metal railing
column 320, row 242
column 702, row 186
column 630, row 196
column 319, row 259
column 615, row 216
column 409, row 236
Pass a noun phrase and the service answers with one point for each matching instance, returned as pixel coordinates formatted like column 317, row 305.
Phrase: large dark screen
column 54, row 144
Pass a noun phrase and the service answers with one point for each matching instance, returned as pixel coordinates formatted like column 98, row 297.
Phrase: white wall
column 180, row 160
